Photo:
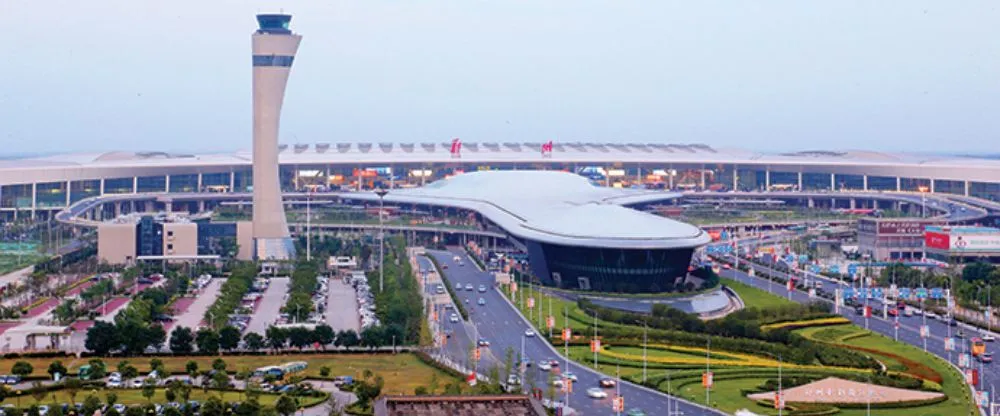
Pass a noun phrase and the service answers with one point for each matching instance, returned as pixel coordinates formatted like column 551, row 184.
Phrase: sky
column 775, row 75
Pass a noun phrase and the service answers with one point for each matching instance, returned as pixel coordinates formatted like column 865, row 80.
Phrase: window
column 170, row 246
column 170, row 233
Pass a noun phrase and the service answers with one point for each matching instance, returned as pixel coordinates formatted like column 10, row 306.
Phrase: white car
column 544, row 366
column 114, row 384
column 570, row 376
column 988, row 337
column 529, row 333
column 596, row 393
column 453, row 318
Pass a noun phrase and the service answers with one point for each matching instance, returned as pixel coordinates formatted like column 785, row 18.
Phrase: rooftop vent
column 343, row 147
column 364, row 147
column 386, row 147
column 282, row 147
column 407, row 147
column 301, row 147
column 322, row 147
column 429, row 147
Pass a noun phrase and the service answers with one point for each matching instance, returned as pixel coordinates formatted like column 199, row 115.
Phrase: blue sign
column 835, row 269
column 904, row 292
column 790, row 258
column 921, row 293
column 814, row 268
column 878, row 293
column 849, row 293
column 937, row 293
column 803, row 258
column 852, row 268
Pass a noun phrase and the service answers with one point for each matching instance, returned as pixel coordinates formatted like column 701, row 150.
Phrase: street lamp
column 780, row 405
column 381, row 192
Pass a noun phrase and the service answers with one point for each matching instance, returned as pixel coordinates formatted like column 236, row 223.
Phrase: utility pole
column 708, row 371
column 309, row 225
column 645, row 330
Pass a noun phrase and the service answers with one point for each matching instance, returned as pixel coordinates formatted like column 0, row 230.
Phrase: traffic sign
column 567, row 334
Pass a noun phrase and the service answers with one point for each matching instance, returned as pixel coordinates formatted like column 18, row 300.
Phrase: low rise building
column 893, row 238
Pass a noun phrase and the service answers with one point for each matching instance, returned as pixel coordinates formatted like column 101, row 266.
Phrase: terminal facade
column 37, row 188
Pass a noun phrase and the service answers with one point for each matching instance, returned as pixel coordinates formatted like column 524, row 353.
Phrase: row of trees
column 231, row 294
column 400, row 303
column 303, row 283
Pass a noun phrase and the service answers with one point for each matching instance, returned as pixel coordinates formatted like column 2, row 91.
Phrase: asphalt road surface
column 342, row 306
column 195, row 313
column 498, row 322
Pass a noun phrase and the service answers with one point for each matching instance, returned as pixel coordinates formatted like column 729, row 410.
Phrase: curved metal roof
column 555, row 207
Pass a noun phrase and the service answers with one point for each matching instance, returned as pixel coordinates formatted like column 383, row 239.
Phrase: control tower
column 274, row 47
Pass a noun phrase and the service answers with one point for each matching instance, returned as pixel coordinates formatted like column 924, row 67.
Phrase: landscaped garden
column 745, row 349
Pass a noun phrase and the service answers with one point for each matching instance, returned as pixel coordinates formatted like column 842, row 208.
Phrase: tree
column 156, row 365
column 22, row 369
column 127, row 370
column 208, row 341
column 148, row 389
column 299, row 337
column 220, row 380
column 299, row 305
column 285, row 405
column 111, row 398
column 324, row 335
column 348, row 338
column 192, row 368
column 253, row 341
column 90, row 404
column 275, row 337
column 181, row 339
column 229, row 338
column 156, row 335
column 102, row 338
column 325, row 371
column 56, row 367
column 38, row 391
column 212, row 407
column 97, row 369
column 72, row 385
column 219, row 365
column 373, row 336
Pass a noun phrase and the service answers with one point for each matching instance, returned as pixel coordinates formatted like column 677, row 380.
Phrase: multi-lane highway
column 908, row 330
column 498, row 322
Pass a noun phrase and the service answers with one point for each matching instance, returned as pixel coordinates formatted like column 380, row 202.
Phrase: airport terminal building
column 576, row 235
column 41, row 186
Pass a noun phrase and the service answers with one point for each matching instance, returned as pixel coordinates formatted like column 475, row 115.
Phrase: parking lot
column 342, row 306
column 193, row 315
column 269, row 306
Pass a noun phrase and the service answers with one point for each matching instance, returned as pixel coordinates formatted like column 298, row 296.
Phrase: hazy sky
column 769, row 75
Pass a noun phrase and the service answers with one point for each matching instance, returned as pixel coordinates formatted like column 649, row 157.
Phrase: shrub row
column 231, row 294
column 451, row 290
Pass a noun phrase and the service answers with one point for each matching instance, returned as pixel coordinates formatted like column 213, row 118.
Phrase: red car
column 893, row 312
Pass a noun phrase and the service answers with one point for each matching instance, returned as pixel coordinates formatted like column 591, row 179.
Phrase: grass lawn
column 134, row 396
column 402, row 372
column 952, row 383
column 753, row 297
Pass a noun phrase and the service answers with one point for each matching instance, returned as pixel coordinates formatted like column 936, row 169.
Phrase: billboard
column 957, row 240
column 903, row 227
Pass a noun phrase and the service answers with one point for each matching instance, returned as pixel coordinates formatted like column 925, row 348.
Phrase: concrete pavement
column 269, row 306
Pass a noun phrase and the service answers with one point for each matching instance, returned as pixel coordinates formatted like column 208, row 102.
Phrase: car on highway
column 468, row 286
column 453, row 318
column 985, row 358
column 607, row 382
column 482, row 288
column 597, row 393
column 444, row 266
column 988, row 337
column 930, row 315
column 458, row 286
column 908, row 312
column 960, row 334
column 635, row 412
column 439, row 290
column 448, row 333
column 558, row 383
column 893, row 312
column 449, row 306
column 569, row 375
column 529, row 332
column 483, row 342
column 513, row 380
column 544, row 365
column 481, row 302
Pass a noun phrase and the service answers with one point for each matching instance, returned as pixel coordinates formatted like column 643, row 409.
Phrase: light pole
column 923, row 200
column 309, row 226
column 779, row 400
column 381, row 192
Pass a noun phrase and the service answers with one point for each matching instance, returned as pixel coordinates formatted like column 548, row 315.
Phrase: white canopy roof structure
column 555, row 207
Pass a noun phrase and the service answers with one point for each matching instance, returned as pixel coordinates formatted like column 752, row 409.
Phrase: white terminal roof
column 80, row 166
column 555, row 207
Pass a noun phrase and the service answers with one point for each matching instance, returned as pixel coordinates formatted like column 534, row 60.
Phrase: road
column 504, row 327
column 909, row 327
column 269, row 308
column 342, row 306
